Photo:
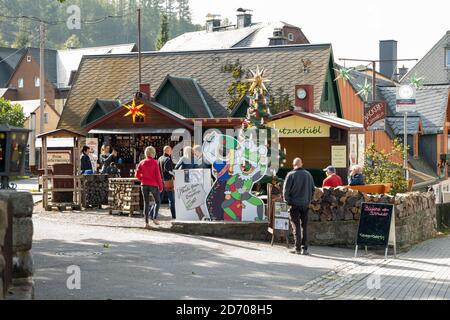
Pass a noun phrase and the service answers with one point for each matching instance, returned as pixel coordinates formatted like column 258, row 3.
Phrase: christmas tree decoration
column 134, row 111
column 258, row 114
column 364, row 90
column 258, row 81
column 416, row 81
column 343, row 74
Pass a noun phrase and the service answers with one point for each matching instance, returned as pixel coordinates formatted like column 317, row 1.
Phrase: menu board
column 281, row 221
column 375, row 224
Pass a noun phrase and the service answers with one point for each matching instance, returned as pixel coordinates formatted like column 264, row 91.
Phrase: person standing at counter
column 166, row 166
column 149, row 174
column 107, row 162
column 104, row 154
column 86, row 164
column 298, row 192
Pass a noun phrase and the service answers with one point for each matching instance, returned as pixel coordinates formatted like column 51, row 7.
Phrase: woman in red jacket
column 150, row 176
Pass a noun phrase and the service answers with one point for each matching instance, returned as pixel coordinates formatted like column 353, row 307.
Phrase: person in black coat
column 86, row 164
column 112, row 158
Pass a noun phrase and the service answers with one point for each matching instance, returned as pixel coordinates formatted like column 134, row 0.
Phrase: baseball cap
column 330, row 168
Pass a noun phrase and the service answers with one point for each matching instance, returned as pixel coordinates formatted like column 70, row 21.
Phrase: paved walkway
column 423, row 273
column 120, row 260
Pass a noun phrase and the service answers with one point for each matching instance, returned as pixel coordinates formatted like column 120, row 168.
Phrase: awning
column 135, row 131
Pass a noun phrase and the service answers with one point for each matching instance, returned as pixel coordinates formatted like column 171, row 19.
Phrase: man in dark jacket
column 86, row 164
column 298, row 192
column 166, row 166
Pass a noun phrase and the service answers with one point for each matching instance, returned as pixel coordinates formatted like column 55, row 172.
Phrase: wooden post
column 44, row 178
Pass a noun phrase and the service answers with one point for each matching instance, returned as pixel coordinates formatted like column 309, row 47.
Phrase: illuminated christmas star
column 134, row 111
column 344, row 74
column 365, row 90
column 416, row 81
column 258, row 80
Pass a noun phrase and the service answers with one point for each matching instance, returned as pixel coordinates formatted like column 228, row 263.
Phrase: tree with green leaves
column 163, row 35
column 72, row 42
column 11, row 114
column 380, row 168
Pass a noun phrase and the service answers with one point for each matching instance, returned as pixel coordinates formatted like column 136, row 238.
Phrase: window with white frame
column 28, row 58
column 46, row 117
column 290, row 36
column 37, row 81
column 447, row 57
column 20, row 83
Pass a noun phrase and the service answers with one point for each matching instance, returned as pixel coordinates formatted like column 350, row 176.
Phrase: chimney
column 244, row 18
column 144, row 88
column 278, row 39
column 388, row 51
column 402, row 72
column 213, row 22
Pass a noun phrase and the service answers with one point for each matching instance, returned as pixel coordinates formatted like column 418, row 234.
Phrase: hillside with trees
column 96, row 29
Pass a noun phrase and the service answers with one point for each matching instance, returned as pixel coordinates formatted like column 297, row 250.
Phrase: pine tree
column 163, row 35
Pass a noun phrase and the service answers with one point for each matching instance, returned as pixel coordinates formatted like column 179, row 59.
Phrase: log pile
column 125, row 195
column 343, row 204
column 95, row 190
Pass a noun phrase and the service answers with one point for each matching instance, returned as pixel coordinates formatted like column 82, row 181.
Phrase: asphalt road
column 137, row 264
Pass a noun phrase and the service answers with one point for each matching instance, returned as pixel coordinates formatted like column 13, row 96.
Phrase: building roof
column 116, row 76
column 256, row 35
column 30, row 106
column 50, row 63
column 326, row 118
column 198, row 99
column 358, row 79
column 9, row 59
column 431, row 105
column 432, row 66
column 69, row 60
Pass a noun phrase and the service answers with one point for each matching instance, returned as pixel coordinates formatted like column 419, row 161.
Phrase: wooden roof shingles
column 116, row 76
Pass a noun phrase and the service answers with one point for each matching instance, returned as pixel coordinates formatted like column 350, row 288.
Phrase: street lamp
column 13, row 144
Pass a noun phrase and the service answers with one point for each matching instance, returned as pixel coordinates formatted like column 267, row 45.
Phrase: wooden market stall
column 52, row 182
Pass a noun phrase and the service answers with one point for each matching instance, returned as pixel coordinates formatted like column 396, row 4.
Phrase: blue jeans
column 171, row 198
column 151, row 210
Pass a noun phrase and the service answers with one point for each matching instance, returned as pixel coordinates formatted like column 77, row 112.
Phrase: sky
column 353, row 27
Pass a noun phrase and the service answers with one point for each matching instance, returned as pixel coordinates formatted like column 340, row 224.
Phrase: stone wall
column 334, row 216
column 21, row 206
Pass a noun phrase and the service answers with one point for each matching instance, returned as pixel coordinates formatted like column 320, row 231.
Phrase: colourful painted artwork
column 237, row 166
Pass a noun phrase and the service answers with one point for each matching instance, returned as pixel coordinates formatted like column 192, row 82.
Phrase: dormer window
column 290, row 36
column 447, row 57
column 28, row 58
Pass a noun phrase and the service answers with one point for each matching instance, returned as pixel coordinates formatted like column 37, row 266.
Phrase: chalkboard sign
column 375, row 224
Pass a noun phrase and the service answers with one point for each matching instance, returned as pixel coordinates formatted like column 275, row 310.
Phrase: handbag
column 169, row 185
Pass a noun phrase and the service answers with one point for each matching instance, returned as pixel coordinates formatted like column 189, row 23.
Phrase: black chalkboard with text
column 375, row 224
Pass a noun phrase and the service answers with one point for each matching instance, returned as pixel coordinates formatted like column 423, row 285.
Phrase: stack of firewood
column 343, row 204
column 124, row 195
column 95, row 190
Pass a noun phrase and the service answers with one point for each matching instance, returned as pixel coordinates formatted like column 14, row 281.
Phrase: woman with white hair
column 187, row 160
column 149, row 174
column 356, row 177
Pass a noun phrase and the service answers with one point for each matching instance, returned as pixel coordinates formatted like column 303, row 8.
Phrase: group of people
column 332, row 180
column 298, row 192
column 105, row 164
column 157, row 177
